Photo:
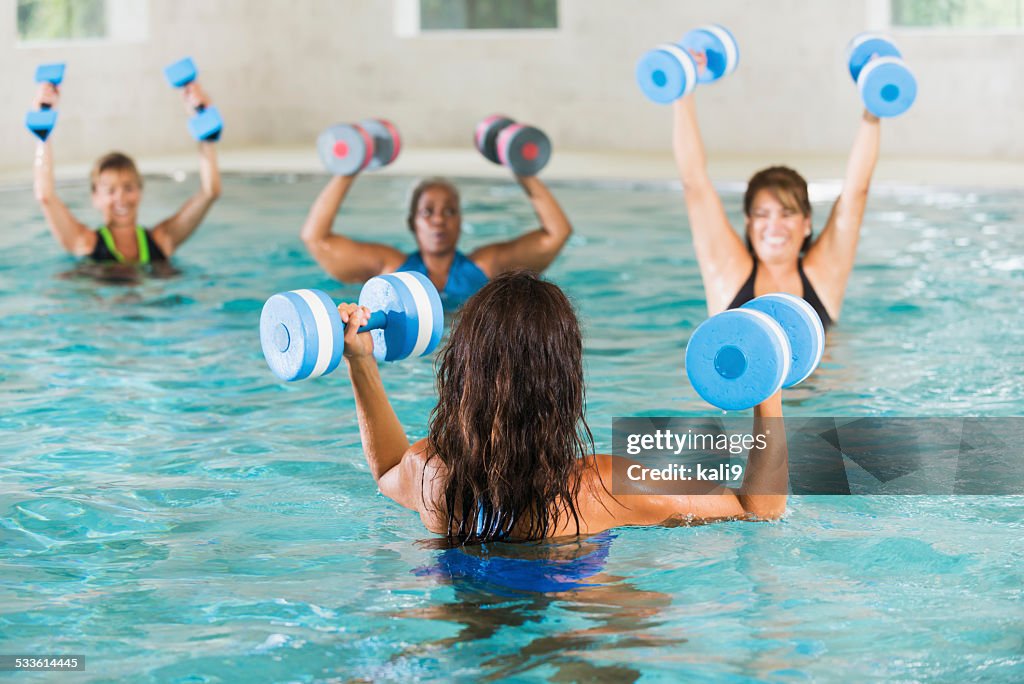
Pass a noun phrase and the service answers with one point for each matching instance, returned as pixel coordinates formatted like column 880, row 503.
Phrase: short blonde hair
column 113, row 161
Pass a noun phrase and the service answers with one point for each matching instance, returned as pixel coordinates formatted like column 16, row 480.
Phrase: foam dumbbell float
column 371, row 144
column 523, row 149
column 886, row 86
column 669, row 71
column 738, row 358
column 207, row 123
column 42, row 121
column 303, row 337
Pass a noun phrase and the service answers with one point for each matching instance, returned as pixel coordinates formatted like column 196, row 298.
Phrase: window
column 61, row 19
column 443, row 15
column 47, row 21
column 957, row 14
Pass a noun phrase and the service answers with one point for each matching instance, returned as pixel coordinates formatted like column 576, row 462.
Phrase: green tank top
column 140, row 235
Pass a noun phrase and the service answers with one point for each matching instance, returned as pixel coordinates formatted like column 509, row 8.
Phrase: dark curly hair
column 420, row 188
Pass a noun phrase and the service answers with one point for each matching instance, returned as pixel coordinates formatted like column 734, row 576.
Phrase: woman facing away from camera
column 780, row 254
column 509, row 455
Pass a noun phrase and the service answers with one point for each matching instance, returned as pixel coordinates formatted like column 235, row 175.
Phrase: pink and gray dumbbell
column 524, row 149
column 346, row 149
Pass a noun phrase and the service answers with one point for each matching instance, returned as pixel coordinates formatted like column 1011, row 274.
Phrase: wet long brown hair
column 509, row 424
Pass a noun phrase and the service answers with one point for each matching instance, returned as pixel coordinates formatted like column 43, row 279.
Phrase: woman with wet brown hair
column 780, row 254
column 509, row 454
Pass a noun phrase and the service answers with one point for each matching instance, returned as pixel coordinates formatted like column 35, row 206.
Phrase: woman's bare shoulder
column 432, row 475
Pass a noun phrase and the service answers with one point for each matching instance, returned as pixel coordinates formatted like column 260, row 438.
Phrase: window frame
column 879, row 18
column 127, row 21
column 407, row 25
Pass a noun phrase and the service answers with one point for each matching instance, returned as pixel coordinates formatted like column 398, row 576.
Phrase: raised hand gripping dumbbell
column 371, row 144
column 886, row 86
column 524, row 149
column 669, row 71
column 42, row 121
column 303, row 336
column 740, row 357
column 207, row 123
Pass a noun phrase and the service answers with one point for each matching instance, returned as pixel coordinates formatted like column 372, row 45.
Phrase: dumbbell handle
column 378, row 320
column 46, row 105
column 200, row 108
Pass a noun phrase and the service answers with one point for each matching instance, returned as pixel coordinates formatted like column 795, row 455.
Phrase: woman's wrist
column 361, row 364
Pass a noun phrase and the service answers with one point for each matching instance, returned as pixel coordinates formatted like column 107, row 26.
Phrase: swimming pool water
column 173, row 513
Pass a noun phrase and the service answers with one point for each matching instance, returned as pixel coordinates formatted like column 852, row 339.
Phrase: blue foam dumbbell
column 739, row 358
column 669, row 72
column 303, row 337
column 886, row 86
column 207, row 124
column 41, row 122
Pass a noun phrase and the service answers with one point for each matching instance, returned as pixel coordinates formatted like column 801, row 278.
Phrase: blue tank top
column 464, row 278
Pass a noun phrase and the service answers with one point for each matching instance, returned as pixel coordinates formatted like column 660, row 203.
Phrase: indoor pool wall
column 169, row 510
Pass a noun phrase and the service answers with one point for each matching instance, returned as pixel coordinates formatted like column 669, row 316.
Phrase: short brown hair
column 788, row 186
column 113, row 161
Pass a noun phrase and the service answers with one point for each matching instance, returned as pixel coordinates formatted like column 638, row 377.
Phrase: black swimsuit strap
column 746, row 293
column 812, row 298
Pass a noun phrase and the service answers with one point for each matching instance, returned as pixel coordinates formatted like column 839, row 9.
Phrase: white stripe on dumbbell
column 324, row 333
column 727, row 42
column 685, row 60
column 783, row 340
column 862, row 79
column 819, row 330
column 863, row 38
column 424, row 312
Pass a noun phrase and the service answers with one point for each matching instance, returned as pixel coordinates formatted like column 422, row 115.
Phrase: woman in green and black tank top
column 116, row 193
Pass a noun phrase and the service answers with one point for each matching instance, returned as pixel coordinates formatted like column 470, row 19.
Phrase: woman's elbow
column 44, row 197
column 696, row 184
column 314, row 243
column 764, row 507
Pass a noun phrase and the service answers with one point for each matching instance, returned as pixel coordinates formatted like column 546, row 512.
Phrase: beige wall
column 282, row 70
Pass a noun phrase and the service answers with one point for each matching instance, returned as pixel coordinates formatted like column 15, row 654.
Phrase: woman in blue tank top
column 779, row 254
column 435, row 220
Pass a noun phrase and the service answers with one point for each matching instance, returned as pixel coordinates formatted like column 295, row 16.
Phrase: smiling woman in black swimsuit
column 779, row 254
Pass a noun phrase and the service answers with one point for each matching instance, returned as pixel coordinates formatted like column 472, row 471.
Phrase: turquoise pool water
column 170, row 511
